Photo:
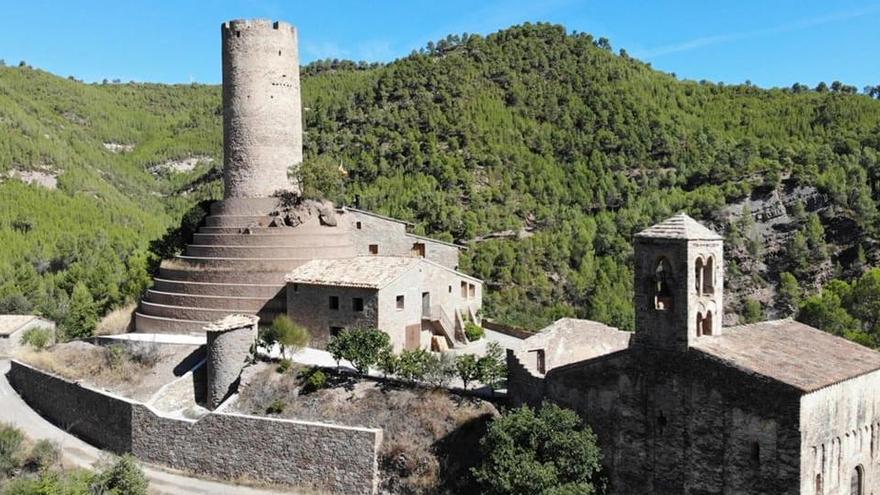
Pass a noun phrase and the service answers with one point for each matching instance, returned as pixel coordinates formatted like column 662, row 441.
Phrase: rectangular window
column 538, row 360
column 464, row 289
column 374, row 249
column 334, row 302
column 357, row 303
column 358, row 225
column 450, row 289
column 418, row 249
column 400, row 302
column 334, row 331
column 472, row 290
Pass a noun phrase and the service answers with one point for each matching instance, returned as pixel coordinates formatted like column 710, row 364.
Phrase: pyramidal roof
column 680, row 226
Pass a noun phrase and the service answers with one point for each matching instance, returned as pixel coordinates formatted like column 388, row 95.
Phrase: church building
column 685, row 406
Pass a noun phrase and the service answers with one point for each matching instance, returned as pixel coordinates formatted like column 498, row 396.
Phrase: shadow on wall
column 458, row 452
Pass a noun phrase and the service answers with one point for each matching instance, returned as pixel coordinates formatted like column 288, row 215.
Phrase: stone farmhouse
column 683, row 405
column 420, row 303
column 263, row 230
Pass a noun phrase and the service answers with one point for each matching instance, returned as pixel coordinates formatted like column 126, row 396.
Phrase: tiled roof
column 11, row 323
column 791, row 353
column 372, row 272
column 680, row 226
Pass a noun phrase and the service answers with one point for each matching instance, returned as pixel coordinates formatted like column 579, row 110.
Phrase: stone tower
column 262, row 109
column 679, row 282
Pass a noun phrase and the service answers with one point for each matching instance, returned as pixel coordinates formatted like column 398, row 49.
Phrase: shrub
column 492, row 367
column 276, row 407
column 388, row 362
column 550, row 451
column 473, row 331
column 10, row 448
column 467, row 369
column 439, row 369
column 38, row 338
column 284, row 366
column 123, row 477
column 362, row 347
column 316, row 380
column 289, row 335
column 144, row 353
column 44, row 454
column 413, row 364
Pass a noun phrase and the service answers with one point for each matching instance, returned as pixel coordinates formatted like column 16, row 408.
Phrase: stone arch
column 707, row 323
column 708, row 279
column 699, row 326
column 663, row 298
column 698, row 274
column 857, row 482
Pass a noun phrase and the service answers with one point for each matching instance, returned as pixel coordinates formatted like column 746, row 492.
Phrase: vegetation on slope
column 541, row 149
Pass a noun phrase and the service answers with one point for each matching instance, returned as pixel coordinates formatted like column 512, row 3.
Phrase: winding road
column 77, row 453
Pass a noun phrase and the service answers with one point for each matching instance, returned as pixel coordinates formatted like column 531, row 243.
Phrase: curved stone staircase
column 236, row 264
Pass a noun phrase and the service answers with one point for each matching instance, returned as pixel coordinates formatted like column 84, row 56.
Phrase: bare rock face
column 262, row 110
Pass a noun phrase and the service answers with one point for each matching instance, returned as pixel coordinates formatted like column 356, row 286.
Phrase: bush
column 124, row 477
column 467, row 369
column 546, row 452
column 276, row 407
column 362, row 347
column 291, row 336
column 10, row 448
column 284, row 366
column 473, row 331
column 492, row 367
column 439, row 369
column 388, row 362
column 38, row 338
column 315, row 380
column 43, row 455
column 413, row 364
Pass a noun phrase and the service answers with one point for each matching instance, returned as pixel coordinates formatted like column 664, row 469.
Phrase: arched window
column 818, row 484
column 857, row 485
column 708, row 276
column 699, row 324
column 662, row 285
column 707, row 324
column 698, row 274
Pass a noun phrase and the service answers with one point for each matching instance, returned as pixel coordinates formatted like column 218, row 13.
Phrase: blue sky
column 770, row 42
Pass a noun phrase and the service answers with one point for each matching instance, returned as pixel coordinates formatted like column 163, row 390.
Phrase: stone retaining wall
column 322, row 457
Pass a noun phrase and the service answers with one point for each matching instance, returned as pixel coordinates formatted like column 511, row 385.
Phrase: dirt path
column 76, row 453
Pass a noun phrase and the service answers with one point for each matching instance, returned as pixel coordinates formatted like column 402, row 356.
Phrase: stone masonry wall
column 840, row 431
column 97, row 417
column 262, row 109
column 228, row 350
column 309, row 305
column 392, row 239
column 326, row 458
column 684, row 423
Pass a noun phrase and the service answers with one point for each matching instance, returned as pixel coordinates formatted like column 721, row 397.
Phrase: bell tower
column 679, row 284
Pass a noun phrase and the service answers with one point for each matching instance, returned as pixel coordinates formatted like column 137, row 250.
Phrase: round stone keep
column 262, row 109
column 230, row 342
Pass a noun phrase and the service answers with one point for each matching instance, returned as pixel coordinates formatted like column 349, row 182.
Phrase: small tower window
column 756, row 453
column 708, row 273
column 707, row 324
column 818, row 484
column 698, row 275
column 699, row 326
column 374, row 249
column 662, row 286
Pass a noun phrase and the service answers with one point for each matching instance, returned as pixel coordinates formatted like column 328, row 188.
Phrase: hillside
column 542, row 150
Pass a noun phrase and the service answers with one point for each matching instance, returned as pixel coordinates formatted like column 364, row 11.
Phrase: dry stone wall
column 325, row 458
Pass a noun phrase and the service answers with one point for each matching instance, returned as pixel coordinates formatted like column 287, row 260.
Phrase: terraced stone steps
column 267, row 252
column 236, row 303
column 200, row 314
column 217, row 289
column 279, row 237
column 157, row 324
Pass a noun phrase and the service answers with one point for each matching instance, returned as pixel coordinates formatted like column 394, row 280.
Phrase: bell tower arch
column 678, row 285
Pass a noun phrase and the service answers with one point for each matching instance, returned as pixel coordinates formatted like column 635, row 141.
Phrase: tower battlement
column 262, row 107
